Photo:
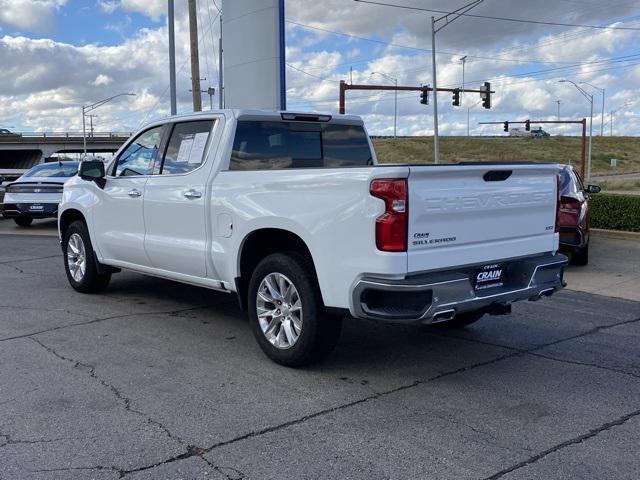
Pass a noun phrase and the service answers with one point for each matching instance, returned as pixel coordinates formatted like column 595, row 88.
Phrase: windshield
column 53, row 170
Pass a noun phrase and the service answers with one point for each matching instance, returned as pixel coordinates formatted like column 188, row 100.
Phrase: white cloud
column 153, row 9
column 101, row 80
column 34, row 15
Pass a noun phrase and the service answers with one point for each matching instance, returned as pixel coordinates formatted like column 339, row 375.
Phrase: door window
column 139, row 156
column 186, row 147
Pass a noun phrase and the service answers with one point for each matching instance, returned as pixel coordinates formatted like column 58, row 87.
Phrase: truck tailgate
column 469, row 214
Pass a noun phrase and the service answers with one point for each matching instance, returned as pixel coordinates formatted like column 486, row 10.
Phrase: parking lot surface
column 158, row 380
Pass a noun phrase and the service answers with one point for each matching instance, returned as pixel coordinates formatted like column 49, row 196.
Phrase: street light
column 89, row 108
column 601, row 90
column 558, row 102
column 460, row 11
column 589, row 97
column 626, row 104
column 464, row 60
column 395, row 108
column 434, row 29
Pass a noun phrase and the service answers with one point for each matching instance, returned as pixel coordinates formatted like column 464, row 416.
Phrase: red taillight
column 391, row 226
column 559, row 182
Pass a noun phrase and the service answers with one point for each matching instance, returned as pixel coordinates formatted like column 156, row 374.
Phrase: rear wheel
column 461, row 320
column 23, row 221
column 80, row 262
column 581, row 256
column 286, row 312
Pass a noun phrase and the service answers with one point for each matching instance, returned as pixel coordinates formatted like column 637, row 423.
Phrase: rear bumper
column 439, row 296
column 572, row 237
column 13, row 210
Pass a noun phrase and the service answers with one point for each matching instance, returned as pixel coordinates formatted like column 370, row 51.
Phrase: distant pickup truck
column 293, row 214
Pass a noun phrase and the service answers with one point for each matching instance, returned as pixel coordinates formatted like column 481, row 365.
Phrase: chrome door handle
column 192, row 194
column 134, row 193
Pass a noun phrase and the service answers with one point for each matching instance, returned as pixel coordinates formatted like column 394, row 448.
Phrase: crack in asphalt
column 104, row 319
column 585, row 364
column 573, row 441
column 32, row 259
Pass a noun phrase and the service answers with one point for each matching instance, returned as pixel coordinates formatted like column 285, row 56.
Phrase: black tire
column 91, row 281
column 320, row 331
column 23, row 221
column 459, row 321
column 581, row 256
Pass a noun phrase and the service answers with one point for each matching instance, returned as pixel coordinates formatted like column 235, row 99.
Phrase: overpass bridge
column 22, row 150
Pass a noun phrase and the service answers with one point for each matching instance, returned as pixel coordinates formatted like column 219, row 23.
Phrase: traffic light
column 485, row 94
column 424, row 96
column 527, row 125
column 506, row 126
column 456, row 97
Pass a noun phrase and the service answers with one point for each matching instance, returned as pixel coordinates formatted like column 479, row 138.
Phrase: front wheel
column 23, row 221
column 286, row 312
column 80, row 262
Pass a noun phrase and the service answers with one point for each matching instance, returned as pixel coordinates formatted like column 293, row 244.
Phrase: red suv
column 574, row 215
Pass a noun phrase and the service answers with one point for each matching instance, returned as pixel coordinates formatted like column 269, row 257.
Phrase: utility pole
column 91, row 115
column 558, row 102
column 464, row 60
column 436, row 138
column 195, row 65
column 172, row 57
column 220, row 73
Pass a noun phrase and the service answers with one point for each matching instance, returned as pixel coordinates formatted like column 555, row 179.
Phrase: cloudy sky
column 56, row 55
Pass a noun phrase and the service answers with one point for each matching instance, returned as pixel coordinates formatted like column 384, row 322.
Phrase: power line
column 441, row 52
column 504, row 19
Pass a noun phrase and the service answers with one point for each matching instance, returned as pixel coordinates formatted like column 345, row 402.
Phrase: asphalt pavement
column 158, row 380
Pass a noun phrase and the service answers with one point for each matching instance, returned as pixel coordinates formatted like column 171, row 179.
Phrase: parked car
column 574, row 215
column 37, row 193
column 292, row 214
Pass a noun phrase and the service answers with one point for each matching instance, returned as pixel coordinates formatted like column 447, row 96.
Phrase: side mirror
column 93, row 171
column 593, row 189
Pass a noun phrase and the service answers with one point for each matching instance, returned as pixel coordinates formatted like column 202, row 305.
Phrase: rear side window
column 264, row 145
column 186, row 148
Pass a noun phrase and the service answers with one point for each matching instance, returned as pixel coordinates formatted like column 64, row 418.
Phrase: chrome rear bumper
column 439, row 296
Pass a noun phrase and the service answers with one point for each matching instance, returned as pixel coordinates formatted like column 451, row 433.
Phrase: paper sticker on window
column 184, row 154
column 197, row 148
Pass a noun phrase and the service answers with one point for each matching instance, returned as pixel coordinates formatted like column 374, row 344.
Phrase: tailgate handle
column 497, row 175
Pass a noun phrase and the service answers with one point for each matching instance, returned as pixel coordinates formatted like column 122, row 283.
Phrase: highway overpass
column 22, row 150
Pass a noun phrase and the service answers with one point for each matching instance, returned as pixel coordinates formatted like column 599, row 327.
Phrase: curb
column 616, row 234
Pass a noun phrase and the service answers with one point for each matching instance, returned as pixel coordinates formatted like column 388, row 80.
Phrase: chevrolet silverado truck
column 293, row 214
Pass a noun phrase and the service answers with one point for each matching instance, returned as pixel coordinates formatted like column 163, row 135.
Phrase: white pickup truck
column 292, row 213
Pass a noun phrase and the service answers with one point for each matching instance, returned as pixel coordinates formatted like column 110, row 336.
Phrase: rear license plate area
column 489, row 276
column 36, row 207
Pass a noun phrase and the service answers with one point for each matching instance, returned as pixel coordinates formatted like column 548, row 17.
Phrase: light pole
column 626, row 104
column 558, row 102
column 464, row 60
column 89, row 108
column 395, row 108
column 589, row 97
column 601, row 90
column 445, row 20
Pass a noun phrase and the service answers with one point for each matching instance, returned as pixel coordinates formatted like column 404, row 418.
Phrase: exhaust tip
column 444, row 316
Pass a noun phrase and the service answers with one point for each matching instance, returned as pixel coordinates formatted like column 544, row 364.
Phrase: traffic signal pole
column 344, row 86
column 583, row 122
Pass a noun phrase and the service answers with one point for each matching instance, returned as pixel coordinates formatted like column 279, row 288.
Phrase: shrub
column 615, row 212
